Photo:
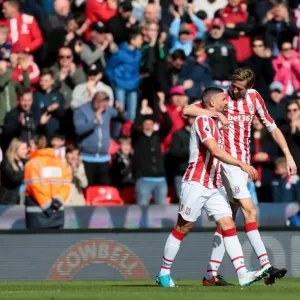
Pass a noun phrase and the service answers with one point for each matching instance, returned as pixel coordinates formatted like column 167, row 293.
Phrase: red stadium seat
column 103, row 196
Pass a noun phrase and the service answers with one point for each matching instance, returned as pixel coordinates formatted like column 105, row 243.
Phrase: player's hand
column 252, row 173
column 291, row 165
column 224, row 121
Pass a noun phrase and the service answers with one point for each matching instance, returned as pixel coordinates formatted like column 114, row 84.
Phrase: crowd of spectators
column 104, row 83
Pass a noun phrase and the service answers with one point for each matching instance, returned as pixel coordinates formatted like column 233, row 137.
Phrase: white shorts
column 235, row 181
column 194, row 196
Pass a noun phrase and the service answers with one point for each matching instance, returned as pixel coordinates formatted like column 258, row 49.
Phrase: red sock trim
column 165, row 268
column 265, row 254
column 219, row 231
column 178, row 235
column 167, row 259
column 215, row 261
column 240, row 268
column 229, row 232
column 237, row 258
column 267, row 263
column 212, row 271
column 251, row 226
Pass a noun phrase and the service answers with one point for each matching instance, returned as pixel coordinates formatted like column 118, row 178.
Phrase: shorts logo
column 88, row 252
column 237, row 189
column 187, row 211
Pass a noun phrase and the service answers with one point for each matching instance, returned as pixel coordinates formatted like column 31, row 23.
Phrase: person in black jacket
column 24, row 121
column 180, row 151
column 261, row 63
column 148, row 160
column 12, row 173
column 220, row 53
column 121, row 24
column 291, row 131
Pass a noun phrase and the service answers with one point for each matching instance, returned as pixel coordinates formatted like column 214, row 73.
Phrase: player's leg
column 192, row 200
column 218, row 208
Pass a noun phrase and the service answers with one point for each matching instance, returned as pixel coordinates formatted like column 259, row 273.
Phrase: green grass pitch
column 284, row 289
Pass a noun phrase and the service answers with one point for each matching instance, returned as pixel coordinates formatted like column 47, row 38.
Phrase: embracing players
column 202, row 188
column 243, row 104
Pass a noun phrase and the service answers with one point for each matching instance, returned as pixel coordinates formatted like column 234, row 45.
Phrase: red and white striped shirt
column 240, row 114
column 203, row 166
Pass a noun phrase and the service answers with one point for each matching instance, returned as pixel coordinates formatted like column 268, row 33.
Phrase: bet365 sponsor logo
column 98, row 251
column 240, row 118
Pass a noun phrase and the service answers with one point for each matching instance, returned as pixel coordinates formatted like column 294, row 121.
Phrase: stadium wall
column 90, row 255
column 139, row 217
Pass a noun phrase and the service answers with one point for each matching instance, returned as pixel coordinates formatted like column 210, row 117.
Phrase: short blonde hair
column 280, row 161
column 244, row 74
column 11, row 152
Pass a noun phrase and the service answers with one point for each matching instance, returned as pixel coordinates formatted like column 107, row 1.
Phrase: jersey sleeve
column 205, row 128
column 198, row 104
column 263, row 114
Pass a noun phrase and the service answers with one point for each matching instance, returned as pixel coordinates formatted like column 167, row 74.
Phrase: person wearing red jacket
column 235, row 18
column 24, row 32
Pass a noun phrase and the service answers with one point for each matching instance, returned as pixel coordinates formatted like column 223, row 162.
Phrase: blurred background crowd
column 104, row 82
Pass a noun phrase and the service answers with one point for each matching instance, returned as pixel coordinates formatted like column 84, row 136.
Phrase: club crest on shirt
column 187, row 211
column 251, row 108
column 207, row 129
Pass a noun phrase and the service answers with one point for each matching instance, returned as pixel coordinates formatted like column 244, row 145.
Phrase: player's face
column 238, row 89
column 220, row 101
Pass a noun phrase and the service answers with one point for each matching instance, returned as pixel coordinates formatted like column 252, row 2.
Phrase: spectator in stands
column 100, row 10
column 287, row 68
column 48, row 186
column 58, row 143
column 85, row 92
column 92, row 127
column 261, row 63
column 122, row 23
column 178, row 101
column 196, row 75
column 237, row 26
column 24, row 32
column 67, row 74
column 263, row 155
column 23, row 121
column 279, row 26
column 18, row 62
column 180, row 34
column 291, row 131
column 152, row 13
column 5, row 46
column 221, row 55
column 60, row 16
column 285, row 188
column 276, row 103
column 122, row 164
column 167, row 12
column 12, row 173
column 95, row 51
column 79, row 180
column 48, row 100
column 9, row 88
column 37, row 142
column 122, row 70
column 167, row 72
column 179, row 151
column 148, row 161
column 209, row 6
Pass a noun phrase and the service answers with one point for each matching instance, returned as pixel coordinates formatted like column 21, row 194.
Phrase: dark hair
column 201, row 14
column 198, row 44
column 209, row 92
column 280, row 45
column 47, row 71
column 40, row 141
column 178, row 54
column 133, row 34
column 57, row 135
column 124, row 138
column 24, row 91
column 126, row 5
column 277, row 2
column 71, row 148
column 290, row 102
column 15, row 3
column 79, row 18
column 258, row 38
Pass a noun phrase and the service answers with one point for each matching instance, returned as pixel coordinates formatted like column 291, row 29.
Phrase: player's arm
column 281, row 142
column 212, row 145
column 196, row 110
column 263, row 114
